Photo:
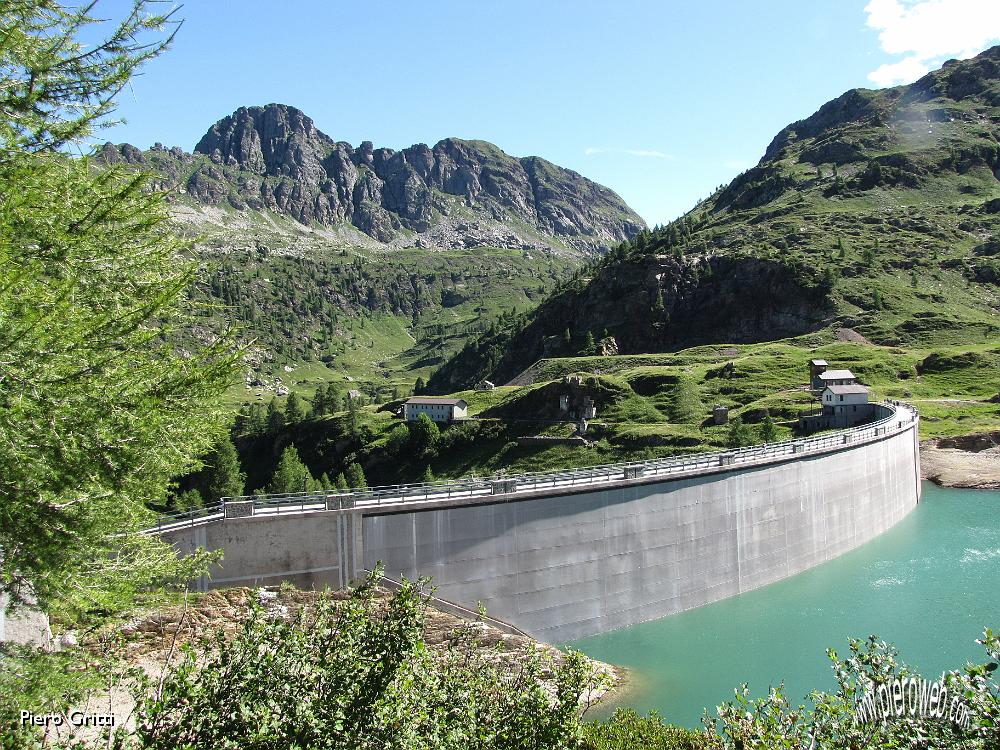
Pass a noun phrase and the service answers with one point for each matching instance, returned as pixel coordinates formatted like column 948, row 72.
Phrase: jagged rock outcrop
column 275, row 158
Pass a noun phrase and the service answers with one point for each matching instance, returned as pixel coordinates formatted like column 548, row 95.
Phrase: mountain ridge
column 275, row 158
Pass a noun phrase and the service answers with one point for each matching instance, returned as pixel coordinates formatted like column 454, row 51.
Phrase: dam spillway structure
column 563, row 555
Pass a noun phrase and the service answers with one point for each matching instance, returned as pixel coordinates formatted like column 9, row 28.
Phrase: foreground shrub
column 626, row 730
column 837, row 720
column 357, row 674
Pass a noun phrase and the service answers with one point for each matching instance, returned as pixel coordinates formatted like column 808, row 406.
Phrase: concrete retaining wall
column 587, row 562
column 562, row 568
column 311, row 550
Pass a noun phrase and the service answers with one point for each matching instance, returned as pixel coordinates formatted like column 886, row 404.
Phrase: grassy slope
column 884, row 201
column 952, row 387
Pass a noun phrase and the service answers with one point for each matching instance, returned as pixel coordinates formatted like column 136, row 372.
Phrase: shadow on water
column 928, row 585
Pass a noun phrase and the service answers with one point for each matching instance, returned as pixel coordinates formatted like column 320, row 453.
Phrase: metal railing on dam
column 897, row 416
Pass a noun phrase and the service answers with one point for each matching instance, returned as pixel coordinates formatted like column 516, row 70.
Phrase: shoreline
column 963, row 462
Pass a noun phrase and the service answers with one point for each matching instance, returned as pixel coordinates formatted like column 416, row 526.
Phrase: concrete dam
column 562, row 555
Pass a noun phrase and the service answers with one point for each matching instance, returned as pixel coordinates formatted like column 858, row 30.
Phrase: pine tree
column 340, row 482
column 333, row 400
column 275, row 417
column 99, row 411
column 290, row 475
column 768, row 430
column 223, row 477
column 318, row 407
column 428, row 476
column 293, row 410
column 589, row 345
column 256, row 421
column 418, row 387
column 355, row 477
column 739, row 434
column 352, row 416
column 188, row 500
column 828, row 280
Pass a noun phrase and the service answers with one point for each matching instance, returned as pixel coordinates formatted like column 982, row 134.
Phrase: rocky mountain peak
column 458, row 193
column 272, row 140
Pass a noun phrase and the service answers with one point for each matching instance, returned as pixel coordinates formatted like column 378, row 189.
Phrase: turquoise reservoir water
column 930, row 585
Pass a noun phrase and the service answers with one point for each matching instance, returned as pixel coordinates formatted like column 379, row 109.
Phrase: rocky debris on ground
column 849, row 334
column 965, row 461
column 156, row 636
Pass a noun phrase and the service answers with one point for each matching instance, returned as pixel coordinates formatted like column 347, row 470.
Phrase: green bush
column 626, row 730
column 357, row 674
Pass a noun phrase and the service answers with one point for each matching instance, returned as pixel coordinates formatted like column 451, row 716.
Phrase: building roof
column 431, row 401
column 843, row 390
column 837, row 375
column 817, row 361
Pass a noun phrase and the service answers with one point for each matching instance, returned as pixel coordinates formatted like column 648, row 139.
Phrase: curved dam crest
column 578, row 561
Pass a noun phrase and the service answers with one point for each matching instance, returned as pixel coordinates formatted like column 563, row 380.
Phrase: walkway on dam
column 397, row 498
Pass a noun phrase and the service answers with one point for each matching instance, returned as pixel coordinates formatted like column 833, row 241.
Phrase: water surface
column 930, row 585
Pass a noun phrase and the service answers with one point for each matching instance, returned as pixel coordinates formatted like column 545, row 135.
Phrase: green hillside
column 648, row 406
column 877, row 215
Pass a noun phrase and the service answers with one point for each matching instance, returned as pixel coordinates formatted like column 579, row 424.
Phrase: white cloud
column 927, row 32
column 640, row 152
column 905, row 71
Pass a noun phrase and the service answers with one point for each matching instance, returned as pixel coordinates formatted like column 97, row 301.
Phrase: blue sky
column 661, row 101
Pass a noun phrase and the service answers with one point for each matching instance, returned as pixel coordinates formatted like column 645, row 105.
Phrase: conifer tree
column 685, row 401
column 99, row 409
column 290, row 475
column 275, row 418
column 255, row 424
column 352, row 416
column 293, row 410
column 318, row 407
column 355, row 477
column 332, row 400
column 739, row 434
column 223, row 477
column 768, row 430
column 424, row 434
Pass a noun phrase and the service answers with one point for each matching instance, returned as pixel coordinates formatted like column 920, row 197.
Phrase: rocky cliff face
column 650, row 303
column 458, row 193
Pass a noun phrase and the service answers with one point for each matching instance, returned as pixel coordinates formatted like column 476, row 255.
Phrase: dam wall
column 567, row 567
column 572, row 561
